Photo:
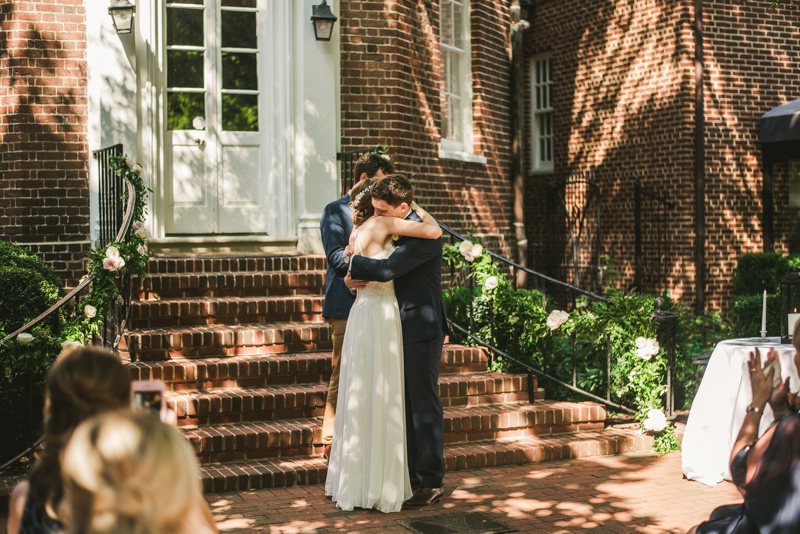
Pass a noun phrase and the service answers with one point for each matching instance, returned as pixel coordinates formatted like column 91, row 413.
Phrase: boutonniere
column 395, row 238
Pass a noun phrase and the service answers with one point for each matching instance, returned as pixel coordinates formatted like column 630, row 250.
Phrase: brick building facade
column 624, row 108
column 44, row 190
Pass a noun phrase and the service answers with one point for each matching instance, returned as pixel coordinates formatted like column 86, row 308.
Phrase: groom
column 416, row 268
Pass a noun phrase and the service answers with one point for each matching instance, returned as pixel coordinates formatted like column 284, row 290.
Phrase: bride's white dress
column 368, row 467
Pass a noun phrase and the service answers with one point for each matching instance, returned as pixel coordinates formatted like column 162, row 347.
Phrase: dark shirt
column 335, row 225
column 36, row 521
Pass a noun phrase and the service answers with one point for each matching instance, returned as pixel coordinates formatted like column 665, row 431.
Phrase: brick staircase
column 244, row 351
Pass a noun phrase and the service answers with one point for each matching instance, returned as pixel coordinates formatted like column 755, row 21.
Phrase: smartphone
column 150, row 395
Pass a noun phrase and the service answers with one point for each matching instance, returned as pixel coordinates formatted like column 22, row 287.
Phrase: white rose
column 112, row 252
column 69, row 346
column 465, row 246
column 110, row 264
column 476, row 250
column 644, row 353
column 386, row 157
column 653, row 347
column 491, row 282
column 24, row 338
column 140, row 233
column 556, row 319
column 656, row 421
column 137, row 224
column 137, row 169
column 120, row 263
column 140, row 249
column 641, row 342
column 129, row 161
column 89, row 311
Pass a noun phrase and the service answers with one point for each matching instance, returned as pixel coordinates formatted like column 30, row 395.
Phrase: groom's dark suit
column 416, row 268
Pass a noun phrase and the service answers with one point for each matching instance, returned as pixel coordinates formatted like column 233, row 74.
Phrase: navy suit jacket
column 335, row 226
column 416, row 268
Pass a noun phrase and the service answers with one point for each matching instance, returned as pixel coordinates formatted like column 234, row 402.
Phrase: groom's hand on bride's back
column 354, row 284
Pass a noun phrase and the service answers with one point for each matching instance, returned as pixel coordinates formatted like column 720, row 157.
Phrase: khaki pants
column 337, row 327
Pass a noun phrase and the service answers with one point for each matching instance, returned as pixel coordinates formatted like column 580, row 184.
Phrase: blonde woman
column 126, row 472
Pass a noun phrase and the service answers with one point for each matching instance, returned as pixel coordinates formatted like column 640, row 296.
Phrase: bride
column 368, row 465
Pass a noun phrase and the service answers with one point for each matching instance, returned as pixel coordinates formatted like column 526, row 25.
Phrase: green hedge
column 30, row 286
column 757, row 272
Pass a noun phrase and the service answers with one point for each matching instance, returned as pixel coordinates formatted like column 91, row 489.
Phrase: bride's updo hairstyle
column 126, row 472
column 362, row 200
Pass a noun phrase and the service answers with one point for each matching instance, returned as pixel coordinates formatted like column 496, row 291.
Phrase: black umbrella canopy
column 781, row 123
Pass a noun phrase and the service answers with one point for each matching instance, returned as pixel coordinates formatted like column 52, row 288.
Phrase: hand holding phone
column 150, row 395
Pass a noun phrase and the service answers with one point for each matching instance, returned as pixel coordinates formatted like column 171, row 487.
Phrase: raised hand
column 760, row 381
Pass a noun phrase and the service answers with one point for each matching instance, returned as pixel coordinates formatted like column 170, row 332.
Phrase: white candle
column 764, row 315
column 793, row 317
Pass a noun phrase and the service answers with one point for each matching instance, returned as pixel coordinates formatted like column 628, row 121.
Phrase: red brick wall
column 44, row 192
column 624, row 108
column 390, row 95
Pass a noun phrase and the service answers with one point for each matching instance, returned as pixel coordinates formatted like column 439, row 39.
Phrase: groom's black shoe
column 424, row 497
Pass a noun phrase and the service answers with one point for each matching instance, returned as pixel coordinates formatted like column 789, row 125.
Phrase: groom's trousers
column 424, row 414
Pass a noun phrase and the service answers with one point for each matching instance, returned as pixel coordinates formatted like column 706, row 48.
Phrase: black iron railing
column 110, row 204
column 667, row 333
column 117, row 317
column 348, row 160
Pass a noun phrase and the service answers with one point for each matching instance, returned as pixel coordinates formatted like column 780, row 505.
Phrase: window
column 456, row 86
column 542, row 112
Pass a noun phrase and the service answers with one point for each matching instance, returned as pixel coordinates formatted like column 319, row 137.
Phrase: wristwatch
column 756, row 409
column 347, row 256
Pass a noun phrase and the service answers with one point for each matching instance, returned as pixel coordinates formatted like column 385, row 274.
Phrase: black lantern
column 121, row 12
column 323, row 21
column 790, row 303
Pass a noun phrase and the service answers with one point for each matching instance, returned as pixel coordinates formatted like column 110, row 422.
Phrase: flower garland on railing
column 112, row 262
column 640, row 365
column 108, row 265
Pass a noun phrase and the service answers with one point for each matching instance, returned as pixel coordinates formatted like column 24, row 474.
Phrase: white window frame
column 458, row 149
column 541, row 110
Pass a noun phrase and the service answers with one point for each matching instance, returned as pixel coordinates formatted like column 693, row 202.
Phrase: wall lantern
column 121, row 12
column 790, row 303
column 323, row 21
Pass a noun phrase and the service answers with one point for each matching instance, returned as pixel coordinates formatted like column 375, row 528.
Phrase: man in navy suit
column 416, row 268
column 336, row 225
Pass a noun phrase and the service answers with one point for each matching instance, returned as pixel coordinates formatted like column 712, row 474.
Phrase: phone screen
column 147, row 399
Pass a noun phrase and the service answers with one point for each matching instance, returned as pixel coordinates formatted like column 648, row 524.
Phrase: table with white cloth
column 720, row 406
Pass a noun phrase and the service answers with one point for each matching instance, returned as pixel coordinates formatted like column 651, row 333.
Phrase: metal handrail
column 528, row 270
column 121, row 234
column 123, row 231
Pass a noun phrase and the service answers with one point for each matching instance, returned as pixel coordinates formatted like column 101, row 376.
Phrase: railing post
column 531, row 392
column 574, row 363
column 608, row 368
column 471, row 284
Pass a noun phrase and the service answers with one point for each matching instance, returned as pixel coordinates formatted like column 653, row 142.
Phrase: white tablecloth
column 719, row 407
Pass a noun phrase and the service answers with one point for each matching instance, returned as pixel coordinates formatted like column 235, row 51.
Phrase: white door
column 218, row 154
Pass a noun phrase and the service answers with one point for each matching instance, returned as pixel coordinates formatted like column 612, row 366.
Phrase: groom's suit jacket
column 335, row 225
column 416, row 268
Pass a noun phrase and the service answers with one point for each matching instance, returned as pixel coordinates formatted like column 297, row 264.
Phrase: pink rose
column 137, row 225
column 476, row 251
column 129, row 161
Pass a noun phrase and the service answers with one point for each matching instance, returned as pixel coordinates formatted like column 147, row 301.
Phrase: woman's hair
column 126, row 472
column 361, row 196
column 795, row 336
column 80, row 384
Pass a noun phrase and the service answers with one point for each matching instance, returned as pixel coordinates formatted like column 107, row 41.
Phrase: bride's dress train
column 368, row 467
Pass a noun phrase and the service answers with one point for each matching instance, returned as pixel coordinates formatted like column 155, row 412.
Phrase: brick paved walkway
column 629, row 493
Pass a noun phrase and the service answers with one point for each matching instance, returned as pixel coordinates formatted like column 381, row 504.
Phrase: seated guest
column 766, row 469
column 126, row 472
column 80, row 384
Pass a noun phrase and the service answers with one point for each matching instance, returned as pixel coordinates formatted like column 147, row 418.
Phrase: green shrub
column 29, row 288
column 757, row 272
column 746, row 315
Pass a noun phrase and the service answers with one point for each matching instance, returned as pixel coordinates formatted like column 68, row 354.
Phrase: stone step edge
column 286, row 472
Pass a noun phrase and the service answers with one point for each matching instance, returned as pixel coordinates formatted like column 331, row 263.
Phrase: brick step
column 226, row 340
column 303, row 437
column 167, row 265
column 278, row 369
column 246, row 284
column 239, row 405
column 282, row 472
column 230, row 310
